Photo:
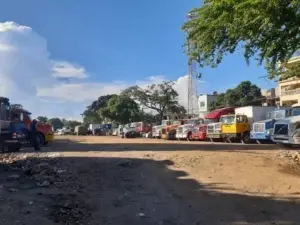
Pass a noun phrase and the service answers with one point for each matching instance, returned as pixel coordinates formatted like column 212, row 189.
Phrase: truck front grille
column 179, row 130
column 163, row 131
column 259, row 127
column 281, row 129
column 210, row 129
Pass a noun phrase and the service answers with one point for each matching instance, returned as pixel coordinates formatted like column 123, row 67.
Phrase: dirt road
column 109, row 180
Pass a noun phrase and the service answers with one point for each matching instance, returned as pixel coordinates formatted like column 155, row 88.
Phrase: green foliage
column 56, row 123
column 42, row 119
column 92, row 113
column 121, row 109
column 244, row 94
column 159, row 97
column 267, row 30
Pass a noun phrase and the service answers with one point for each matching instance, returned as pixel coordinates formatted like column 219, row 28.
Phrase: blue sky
column 125, row 41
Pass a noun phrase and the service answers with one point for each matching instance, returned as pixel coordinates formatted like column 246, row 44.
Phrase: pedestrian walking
column 33, row 135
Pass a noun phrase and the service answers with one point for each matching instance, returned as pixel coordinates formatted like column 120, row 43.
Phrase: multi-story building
column 204, row 102
column 290, row 89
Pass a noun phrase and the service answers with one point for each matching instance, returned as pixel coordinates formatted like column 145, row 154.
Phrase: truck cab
column 169, row 131
column 238, row 126
column 156, row 130
column 211, row 119
column 185, row 131
column 287, row 131
column 262, row 130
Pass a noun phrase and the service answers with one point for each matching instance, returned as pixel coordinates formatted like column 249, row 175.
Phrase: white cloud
column 67, row 70
column 30, row 77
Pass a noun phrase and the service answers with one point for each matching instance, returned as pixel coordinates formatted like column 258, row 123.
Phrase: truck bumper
column 214, row 136
column 156, row 134
column 49, row 137
column 231, row 136
column 286, row 140
column 181, row 135
column 199, row 136
column 260, row 136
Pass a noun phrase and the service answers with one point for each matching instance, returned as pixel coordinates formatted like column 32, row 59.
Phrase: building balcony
column 291, row 92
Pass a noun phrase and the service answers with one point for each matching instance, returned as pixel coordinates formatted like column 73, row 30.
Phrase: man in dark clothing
column 33, row 136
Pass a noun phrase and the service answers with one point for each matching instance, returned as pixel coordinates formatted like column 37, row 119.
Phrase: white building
column 204, row 102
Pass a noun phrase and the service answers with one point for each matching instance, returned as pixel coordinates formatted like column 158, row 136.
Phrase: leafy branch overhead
column 268, row 30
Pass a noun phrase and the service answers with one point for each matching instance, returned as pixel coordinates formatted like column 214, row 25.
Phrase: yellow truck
column 238, row 126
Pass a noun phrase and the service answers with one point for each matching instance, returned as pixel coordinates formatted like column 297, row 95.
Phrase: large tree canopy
column 92, row 113
column 159, row 97
column 244, row 94
column 269, row 30
column 121, row 109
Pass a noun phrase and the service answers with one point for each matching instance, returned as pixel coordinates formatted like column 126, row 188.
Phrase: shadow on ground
column 120, row 191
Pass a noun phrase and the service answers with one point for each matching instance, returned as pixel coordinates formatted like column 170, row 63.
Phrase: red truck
column 199, row 132
column 142, row 127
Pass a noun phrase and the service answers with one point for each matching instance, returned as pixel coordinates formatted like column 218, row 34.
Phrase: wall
column 203, row 102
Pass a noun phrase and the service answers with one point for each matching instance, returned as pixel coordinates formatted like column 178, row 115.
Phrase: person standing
column 33, row 135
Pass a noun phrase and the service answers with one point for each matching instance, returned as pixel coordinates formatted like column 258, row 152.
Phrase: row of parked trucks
column 245, row 124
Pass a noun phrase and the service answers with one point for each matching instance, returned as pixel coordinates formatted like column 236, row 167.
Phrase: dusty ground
column 112, row 181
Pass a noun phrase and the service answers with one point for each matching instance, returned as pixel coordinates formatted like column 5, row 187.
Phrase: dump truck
column 238, row 126
column 200, row 132
column 156, row 130
column 45, row 133
column 185, row 131
column 287, row 131
column 263, row 130
column 169, row 131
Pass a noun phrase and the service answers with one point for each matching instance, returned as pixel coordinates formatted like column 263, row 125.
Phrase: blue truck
column 262, row 130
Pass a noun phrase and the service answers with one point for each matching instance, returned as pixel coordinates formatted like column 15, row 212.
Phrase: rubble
column 290, row 154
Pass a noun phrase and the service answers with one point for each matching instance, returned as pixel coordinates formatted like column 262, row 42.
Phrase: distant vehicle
column 263, row 130
column 64, row 131
column 238, row 126
column 287, row 131
column 185, row 131
column 156, row 130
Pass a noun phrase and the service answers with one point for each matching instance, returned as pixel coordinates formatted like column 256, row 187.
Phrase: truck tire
column 190, row 136
column 246, row 138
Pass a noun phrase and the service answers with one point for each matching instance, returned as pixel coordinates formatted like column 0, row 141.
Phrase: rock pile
column 292, row 154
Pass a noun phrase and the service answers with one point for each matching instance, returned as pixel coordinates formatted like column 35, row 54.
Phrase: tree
column 158, row 97
column 244, row 94
column 121, row 109
column 91, row 114
column 42, row 119
column 56, row 123
column 72, row 123
column 266, row 29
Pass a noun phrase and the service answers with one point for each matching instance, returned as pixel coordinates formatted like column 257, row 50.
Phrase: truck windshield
column 296, row 111
column 177, row 122
column 279, row 114
column 207, row 121
column 228, row 119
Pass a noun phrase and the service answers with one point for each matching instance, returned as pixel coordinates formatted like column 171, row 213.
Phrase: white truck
column 156, row 130
column 185, row 131
column 287, row 131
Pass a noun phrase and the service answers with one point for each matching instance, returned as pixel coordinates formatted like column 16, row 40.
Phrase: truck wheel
column 40, row 139
column 246, row 138
column 190, row 137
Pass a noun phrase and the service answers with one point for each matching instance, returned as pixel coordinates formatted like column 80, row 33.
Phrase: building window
column 202, row 104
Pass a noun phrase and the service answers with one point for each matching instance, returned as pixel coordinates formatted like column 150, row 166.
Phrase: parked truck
column 262, row 130
column 156, row 130
column 238, row 126
column 200, row 132
column 185, row 131
column 169, row 131
column 287, row 131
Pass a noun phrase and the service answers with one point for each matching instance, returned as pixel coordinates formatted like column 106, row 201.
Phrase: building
column 271, row 97
column 204, row 102
column 290, row 89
